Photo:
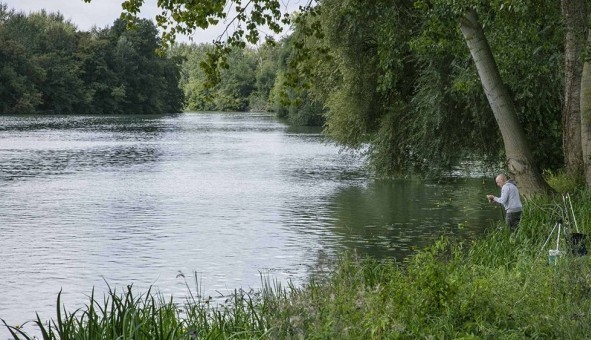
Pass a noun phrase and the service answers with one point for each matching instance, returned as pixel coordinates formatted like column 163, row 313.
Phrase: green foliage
column 181, row 17
column 370, row 86
column 237, row 85
column 562, row 182
column 295, row 104
column 291, row 96
column 266, row 74
column 52, row 68
column 18, row 74
column 254, row 80
column 397, row 76
column 149, row 83
column 49, row 44
column 197, row 95
column 528, row 43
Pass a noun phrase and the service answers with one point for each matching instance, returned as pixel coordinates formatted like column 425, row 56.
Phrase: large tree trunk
column 519, row 158
column 574, row 15
column 586, row 117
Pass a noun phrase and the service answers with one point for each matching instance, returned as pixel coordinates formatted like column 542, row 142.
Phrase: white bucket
column 553, row 255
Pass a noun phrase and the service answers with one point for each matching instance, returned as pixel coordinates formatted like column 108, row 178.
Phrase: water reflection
column 17, row 164
column 139, row 123
column 391, row 218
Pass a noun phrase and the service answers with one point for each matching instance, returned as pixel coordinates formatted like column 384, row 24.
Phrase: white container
column 553, row 255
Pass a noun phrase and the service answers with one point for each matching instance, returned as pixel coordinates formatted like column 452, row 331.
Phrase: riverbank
column 501, row 285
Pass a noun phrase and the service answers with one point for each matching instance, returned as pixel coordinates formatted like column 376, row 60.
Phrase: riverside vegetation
column 403, row 90
column 500, row 285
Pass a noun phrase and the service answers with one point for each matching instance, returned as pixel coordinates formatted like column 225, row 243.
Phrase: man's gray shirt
column 509, row 198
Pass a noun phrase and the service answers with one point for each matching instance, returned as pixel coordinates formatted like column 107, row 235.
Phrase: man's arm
column 504, row 196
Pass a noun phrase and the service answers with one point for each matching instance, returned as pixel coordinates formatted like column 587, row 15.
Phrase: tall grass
column 500, row 286
column 119, row 316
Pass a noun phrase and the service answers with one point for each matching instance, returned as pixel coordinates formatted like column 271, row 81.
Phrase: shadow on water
column 42, row 163
column 315, row 130
column 39, row 146
column 393, row 218
column 143, row 123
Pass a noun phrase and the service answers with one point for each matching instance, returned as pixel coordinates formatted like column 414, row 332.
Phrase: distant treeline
column 47, row 66
column 256, row 79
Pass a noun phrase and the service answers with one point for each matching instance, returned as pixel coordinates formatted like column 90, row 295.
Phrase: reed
column 118, row 316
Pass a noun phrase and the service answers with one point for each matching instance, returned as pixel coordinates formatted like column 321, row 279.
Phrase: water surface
column 88, row 201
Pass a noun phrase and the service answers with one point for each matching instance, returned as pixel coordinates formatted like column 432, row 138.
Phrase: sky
column 102, row 13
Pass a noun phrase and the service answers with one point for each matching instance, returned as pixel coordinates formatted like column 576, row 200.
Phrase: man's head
column 501, row 180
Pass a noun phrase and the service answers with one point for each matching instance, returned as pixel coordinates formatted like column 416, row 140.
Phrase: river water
column 91, row 201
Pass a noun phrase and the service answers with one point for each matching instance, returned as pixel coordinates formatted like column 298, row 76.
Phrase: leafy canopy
column 186, row 16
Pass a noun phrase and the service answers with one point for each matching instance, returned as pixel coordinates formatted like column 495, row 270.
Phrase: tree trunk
column 586, row 117
column 574, row 15
column 519, row 158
